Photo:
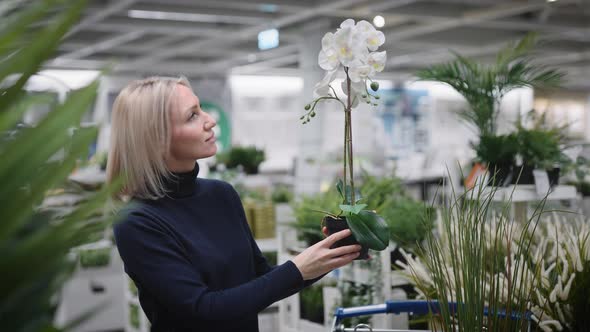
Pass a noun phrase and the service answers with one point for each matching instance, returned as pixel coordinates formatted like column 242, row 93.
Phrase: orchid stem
column 348, row 128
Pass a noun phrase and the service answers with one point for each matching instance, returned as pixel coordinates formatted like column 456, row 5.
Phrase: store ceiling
column 214, row 37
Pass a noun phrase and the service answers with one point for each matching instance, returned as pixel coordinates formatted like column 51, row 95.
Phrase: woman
column 185, row 241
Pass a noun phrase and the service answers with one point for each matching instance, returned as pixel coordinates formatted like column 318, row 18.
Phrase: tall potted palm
column 352, row 49
column 484, row 86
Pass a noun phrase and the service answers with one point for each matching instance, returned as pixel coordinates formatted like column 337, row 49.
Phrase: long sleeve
column 158, row 263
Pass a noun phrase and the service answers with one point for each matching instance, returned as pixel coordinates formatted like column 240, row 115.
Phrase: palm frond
column 484, row 86
column 36, row 242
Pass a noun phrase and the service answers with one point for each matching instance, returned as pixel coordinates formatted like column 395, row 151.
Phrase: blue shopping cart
column 397, row 307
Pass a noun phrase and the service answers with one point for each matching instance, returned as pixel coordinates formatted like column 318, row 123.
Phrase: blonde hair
column 140, row 136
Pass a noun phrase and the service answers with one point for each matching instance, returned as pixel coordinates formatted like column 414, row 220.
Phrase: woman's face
column 192, row 134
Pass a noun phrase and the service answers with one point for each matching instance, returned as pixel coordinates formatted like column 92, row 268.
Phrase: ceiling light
column 268, row 39
column 191, row 17
column 551, row 0
column 379, row 21
column 268, row 8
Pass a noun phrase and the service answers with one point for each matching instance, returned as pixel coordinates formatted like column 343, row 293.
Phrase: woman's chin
column 211, row 152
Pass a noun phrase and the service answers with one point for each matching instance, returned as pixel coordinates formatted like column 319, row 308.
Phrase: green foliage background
column 35, row 243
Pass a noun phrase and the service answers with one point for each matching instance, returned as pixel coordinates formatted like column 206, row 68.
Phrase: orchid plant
column 353, row 50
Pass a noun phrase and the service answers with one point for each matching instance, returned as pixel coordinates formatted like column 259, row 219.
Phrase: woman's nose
column 210, row 123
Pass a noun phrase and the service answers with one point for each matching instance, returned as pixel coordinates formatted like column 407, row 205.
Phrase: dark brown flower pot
column 335, row 225
column 553, row 175
column 523, row 175
column 500, row 175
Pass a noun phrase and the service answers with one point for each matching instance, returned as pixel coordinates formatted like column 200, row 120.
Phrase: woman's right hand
column 319, row 259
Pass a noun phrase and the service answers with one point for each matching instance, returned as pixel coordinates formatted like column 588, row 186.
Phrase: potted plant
column 478, row 262
column 305, row 212
column 248, row 157
column 409, row 220
column 498, row 152
column 540, row 148
column 484, row 86
column 353, row 50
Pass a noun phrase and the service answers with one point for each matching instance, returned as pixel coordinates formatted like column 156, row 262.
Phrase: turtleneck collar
column 181, row 184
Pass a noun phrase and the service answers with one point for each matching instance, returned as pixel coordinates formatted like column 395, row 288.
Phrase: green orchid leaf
column 352, row 209
column 345, row 193
column 340, row 188
column 369, row 229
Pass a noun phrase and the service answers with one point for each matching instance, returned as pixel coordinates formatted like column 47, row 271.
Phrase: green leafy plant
column 248, row 157
column 134, row 315
column 132, row 287
column 541, row 145
column 100, row 159
column 497, row 149
column 281, row 194
column 580, row 168
column 95, row 257
column 34, row 242
column 409, row 220
column 271, row 257
column 352, row 49
column 312, row 304
column 484, row 86
column 481, row 259
column 538, row 148
column 307, row 210
column 499, row 153
column 355, row 294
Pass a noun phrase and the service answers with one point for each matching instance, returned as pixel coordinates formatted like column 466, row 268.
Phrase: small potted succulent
column 353, row 50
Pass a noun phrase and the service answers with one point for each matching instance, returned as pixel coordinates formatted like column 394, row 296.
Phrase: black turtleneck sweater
column 195, row 262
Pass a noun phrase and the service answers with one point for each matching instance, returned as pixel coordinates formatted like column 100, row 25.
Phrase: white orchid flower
column 375, row 40
column 328, row 61
column 322, row 88
column 377, row 61
column 372, row 37
column 365, row 27
column 358, row 71
column 349, row 46
column 328, row 43
column 349, row 23
column 328, row 56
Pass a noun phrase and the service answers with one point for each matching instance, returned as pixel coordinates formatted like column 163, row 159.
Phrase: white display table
column 520, row 196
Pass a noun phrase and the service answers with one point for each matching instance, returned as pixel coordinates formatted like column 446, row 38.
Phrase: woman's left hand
column 320, row 258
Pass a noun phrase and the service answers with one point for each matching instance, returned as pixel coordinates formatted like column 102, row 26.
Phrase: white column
column 307, row 167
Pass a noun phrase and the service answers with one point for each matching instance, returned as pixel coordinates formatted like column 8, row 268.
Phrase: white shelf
column 528, row 193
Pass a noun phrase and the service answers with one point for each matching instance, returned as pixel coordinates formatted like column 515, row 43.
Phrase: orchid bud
column 364, row 95
column 307, row 107
column 374, row 86
column 312, row 114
